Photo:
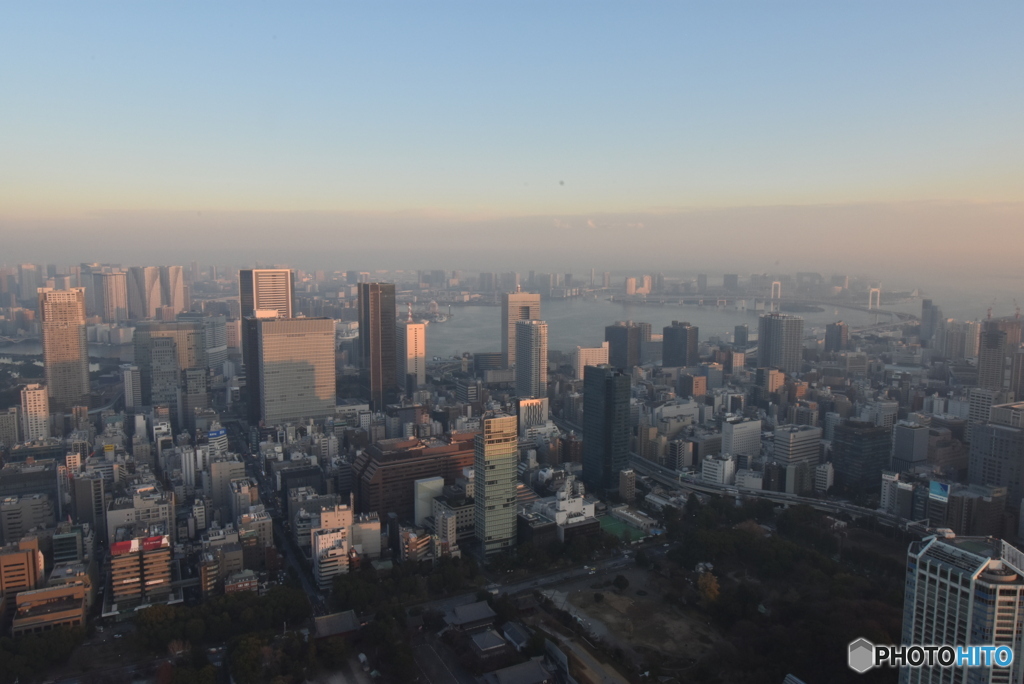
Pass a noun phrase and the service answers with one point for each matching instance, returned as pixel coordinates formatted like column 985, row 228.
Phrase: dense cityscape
column 270, row 473
column 559, row 342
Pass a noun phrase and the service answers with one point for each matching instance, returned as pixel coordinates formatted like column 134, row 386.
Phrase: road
column 674, row 480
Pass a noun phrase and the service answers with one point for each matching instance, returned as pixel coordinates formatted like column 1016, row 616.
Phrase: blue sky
column 434, row 112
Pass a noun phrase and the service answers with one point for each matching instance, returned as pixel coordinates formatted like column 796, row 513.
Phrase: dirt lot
column 644, row 621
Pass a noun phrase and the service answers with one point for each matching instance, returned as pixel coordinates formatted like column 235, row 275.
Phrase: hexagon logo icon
column 861, row 655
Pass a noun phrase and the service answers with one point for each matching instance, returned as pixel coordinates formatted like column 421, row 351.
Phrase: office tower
column 163, row 351
column 1017, row 374
column 731, row 281
column 515, row 306
column 931, row 319
column 991, row 358
column 132, row 380
column 780, row 342
column 111, row 296
column 21, row 569
column 412, row 354
column 796, row 444
column 624, row 340
column 215, row 337
column 531, row 358
column 997, row 450
column 679, row 345
column 606, row 426
column 172, row 288
column 65, row 348
column 144, row 294
column 630, row 286
column 627, row 485
column 692, row 385
column 963, row 591
column 588, row 356
column 741, row 437
column 35, row 412
column 495, row 459
column 860, row 452
column 909, row 446
column 290, row 368
column 377, row 348
column 837, row 336
column 606, row 280
column 702, row 282
column 29, row 280
column 740, row 336
column 263, row 289
column 195, row 396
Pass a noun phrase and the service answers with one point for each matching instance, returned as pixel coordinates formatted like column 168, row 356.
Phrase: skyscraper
column 860, row 452
column 111, row 296
column 65, row 346
column 496, row 456
column 412, row 353
column 780, row 342
column 515, row 306
column 962, row 591
column 144, row 294
column 991, row 358
column 531, row 358
column 263, row 289
column 172, row 288
column 606, row 426
column 740, row 336
column 931, row 318
column 291, row 370
column 378, row 353
column 624, row 342
column 163, row 352
column 679, row 345
column 997, row 450
column 837, row 336
column 35, row 412
column 132, row 379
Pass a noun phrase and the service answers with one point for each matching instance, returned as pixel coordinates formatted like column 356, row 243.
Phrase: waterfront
column 573, row 322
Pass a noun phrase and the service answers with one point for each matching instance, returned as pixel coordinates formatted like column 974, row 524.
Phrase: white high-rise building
column 531, row 359
column 494, row 466
column 589, row 356
column 741, row 437
column 412, row 352
column 964, row 591
column 144, row 293
column 261, row 289
column 35, row 412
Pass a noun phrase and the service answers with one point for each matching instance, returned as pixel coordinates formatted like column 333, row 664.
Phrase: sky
column 610, row 134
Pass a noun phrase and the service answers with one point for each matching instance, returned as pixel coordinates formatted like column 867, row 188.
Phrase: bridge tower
column 875, row 298
column 776, row 296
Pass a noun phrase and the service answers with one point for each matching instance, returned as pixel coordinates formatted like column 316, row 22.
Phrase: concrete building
column 860, row 452
column 21, row 514
column 35, row 412
column 741, row 436
column 425, row 491
column 144, row 294
column 65, row 346
column 627, row 485
column 515, row 307
column 720, row 469
column 625, row 341
column 496, row 456
column 10, row 427
column 581, row 357
column 266, row 289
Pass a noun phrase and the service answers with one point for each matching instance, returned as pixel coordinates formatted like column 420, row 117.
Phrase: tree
column 620, row 582
column 598, row 597
column 707, row 584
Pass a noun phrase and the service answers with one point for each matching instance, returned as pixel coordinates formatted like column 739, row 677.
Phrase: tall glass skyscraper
column 531, row 359
column 606, row 426
column 377, row 344
column 780, row 342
